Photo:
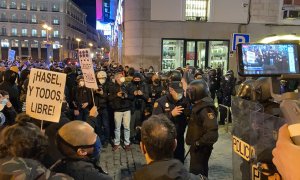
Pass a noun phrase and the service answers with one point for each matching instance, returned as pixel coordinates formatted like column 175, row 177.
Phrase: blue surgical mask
column 97, row 148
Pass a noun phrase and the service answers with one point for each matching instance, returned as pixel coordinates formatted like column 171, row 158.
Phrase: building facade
column 171, row 33
column 22, row 30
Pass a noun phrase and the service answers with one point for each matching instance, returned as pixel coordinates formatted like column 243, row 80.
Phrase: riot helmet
column 245, row 89
column 197, row 90
column 255, row 90
column 212, row 73
column 174, row 75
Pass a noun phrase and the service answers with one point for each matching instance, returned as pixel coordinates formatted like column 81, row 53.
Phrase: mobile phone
column 267, row 60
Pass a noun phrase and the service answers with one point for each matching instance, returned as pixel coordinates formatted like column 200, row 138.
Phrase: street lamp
column 91, row 45
column 78, row 41
column 47, row 28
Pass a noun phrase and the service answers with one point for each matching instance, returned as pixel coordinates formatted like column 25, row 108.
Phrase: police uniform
column 165, row 105
column 202, row 133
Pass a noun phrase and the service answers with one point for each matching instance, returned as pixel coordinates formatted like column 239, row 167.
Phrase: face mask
column 97, row 148
column 101, row 81
column 113, row 80
column 136, row 82
column 81, row 83
column 122, row 79
column 179, row 96
column 156, row 81
column 150, row 70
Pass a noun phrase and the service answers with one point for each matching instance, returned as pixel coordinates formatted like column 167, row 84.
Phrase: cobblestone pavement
column 122, row 164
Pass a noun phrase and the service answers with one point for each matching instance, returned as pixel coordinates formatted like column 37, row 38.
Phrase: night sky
column 89, row 6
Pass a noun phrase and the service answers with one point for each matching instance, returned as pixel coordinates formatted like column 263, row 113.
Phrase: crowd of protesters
column 150, row 108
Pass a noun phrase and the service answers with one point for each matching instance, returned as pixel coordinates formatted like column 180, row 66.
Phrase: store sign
column 242, row 148
column 238, row 38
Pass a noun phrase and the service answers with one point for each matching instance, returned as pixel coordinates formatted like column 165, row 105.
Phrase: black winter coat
column 168, row 169
column 80, row 170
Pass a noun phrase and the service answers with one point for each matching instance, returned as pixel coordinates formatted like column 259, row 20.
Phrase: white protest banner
column 87, row 68
column 45, row 95
column 11, row 55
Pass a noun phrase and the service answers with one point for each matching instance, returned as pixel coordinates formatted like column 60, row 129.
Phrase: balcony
column 3, row 19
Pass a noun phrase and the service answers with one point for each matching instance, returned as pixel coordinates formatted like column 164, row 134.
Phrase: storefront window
column 201, row 54
column 24, row 43
column 172, row 56
column 15, row 43
column 35, row 44
column 190, row 53
column 4, row 43
column 218, row 54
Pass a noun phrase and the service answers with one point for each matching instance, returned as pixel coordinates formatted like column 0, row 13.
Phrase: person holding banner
column 9, row 85
column 82, row 100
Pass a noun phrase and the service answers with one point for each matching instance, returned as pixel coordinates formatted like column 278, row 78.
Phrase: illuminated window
column 24, row 32
column 44, row 33
column 13, row 4
column 196, row 10
column 55, row 33
column 14, row 31
column 3, row 4
column 4, row 43
column 34, row 32
column 55, row 21
column 33, row 18
column 55, row 7
column 24, row 4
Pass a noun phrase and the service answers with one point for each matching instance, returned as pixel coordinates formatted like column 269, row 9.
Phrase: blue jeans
column 122, row 118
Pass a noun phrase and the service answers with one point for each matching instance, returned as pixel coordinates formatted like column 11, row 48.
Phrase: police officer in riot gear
column 227, row 89
column 173, row 105
column 202, row 130
column 155, row 89
column 174, row 75
column 213, row 82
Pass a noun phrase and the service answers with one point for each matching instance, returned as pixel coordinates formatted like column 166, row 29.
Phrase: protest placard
column 87, row 68
column 11, row 55
column 45, row 95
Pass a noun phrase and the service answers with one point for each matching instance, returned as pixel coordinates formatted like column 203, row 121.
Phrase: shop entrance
column 197, row 53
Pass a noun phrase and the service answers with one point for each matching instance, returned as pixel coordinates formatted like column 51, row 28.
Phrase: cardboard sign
column 11, row 55
column 87, row 68
column 45, row 95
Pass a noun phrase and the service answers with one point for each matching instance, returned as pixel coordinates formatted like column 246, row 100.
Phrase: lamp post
column 48, row 43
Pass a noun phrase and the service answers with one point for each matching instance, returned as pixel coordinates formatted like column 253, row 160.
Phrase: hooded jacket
column 166, row 170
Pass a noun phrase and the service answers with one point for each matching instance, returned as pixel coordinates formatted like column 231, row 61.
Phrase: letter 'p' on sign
column 238, row 39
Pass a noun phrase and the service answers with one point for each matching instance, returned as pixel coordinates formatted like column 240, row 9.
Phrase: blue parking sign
column 238, row 38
